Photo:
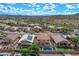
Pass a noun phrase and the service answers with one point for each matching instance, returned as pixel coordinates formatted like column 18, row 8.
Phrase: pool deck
column 49, row 47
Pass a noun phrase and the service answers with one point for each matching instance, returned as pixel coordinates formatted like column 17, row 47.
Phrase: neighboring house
column 60, row 40
column 6, row 48
column 51, row 26
column 13, row 38
column 60, row 27
column 3, row 40
column 23, row 24
column 4, row 26
column 26, row 39
column 76, row 31
column 32, row 25
column 43, row 40
column 26, row 29
column 13, row 29
column 37, row 28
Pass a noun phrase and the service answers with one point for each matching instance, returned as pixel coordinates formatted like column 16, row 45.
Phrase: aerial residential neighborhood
column 41, row 34
column 37, row 40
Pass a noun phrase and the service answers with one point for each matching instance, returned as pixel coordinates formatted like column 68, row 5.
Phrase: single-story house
column 3, row 40
column 4, row 26
column 6, row 48
column 26, row 29
column 32, row 25
column 42, row 39
column 76, row 31
column 13, row 29
column 59, row 39
column 51, row 26
column 26, row 39
column 13, row 38
column 37, row 28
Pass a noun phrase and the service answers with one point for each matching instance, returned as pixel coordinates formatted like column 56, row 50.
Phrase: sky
column 38, row 9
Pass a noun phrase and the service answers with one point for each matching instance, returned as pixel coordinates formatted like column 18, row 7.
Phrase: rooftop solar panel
column 29, row 37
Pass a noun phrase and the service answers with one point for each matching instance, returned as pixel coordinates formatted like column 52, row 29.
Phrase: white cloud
column 49, row 7
column 68, row 6
column 18, row 11
column 3, row 8
column 11, row 3
column 13, row 10
column 7, row 10
column 69, row 9
column 69, row 12
column 33, row 4
column 38, row 6
column 77, row 5
column 29, row 5
column 27, row 11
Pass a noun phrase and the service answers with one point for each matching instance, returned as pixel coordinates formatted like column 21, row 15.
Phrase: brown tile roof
column 12, row 36
column 43, row 36
column 1, row 24
column 58, row 38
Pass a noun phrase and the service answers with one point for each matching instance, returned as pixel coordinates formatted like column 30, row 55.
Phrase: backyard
column 64, row 49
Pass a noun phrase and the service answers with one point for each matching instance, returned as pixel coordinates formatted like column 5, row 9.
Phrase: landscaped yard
column 76, row 39
column 32, row 50
column 64, row 49
column 32, row 32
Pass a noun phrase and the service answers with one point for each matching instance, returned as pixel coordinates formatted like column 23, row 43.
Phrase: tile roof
column 58, row 38
column 43, row 36
column 12, row 36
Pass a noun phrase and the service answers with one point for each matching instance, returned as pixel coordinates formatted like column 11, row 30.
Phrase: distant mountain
column 44, row 19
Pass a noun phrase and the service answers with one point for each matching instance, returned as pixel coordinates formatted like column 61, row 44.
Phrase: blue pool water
column 29, row 37
column 47, row 49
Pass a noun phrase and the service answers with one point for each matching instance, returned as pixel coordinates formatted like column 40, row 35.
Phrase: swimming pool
column 47, row 49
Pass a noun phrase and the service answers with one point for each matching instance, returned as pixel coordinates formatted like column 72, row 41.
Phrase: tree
column 33, row 50
column 24, row 51
column 76, row 40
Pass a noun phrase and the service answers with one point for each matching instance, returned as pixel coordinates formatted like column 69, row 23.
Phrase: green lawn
column 32, row 32
column 63, row 49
